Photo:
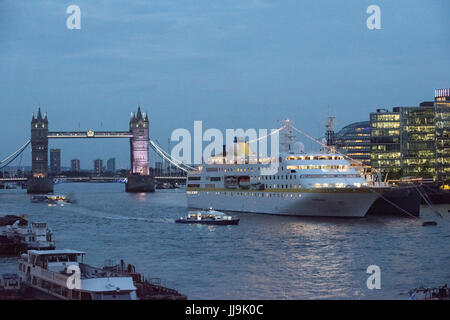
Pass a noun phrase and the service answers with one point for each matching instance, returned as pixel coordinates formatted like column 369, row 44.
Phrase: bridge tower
column 40, row 181
column 139, row 179
column 139, row 143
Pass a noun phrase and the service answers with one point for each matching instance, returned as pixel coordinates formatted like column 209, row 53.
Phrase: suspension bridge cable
column 159, row 150
column 173, row 163
column 167, row 157
column 14, row 155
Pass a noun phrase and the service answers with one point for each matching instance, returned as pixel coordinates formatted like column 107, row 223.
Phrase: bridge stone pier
column 138, row 179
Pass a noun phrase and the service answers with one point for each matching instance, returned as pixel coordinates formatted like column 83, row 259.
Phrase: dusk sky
column 233, row 64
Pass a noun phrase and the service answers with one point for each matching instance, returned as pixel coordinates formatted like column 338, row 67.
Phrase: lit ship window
column 322, row 167
column 321, row 157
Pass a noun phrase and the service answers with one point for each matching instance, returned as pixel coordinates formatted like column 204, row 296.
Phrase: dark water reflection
column 265, row 257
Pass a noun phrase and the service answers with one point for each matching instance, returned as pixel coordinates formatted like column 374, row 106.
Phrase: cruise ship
column 304, row 184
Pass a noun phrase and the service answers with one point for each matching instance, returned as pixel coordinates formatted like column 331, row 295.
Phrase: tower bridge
column 89, row 134
column 139, row 179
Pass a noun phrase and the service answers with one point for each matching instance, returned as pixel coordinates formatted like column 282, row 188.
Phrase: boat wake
column 151, row 220
column 113, row 216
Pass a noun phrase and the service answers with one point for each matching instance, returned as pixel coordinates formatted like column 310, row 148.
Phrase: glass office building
column 403, row 141
column 413, row 141
column 442, row 127
column 385, row 152
column 418, row 141
column 354, row 141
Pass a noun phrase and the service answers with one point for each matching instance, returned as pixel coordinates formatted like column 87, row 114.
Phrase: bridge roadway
column 96, row 179
column 89, row 134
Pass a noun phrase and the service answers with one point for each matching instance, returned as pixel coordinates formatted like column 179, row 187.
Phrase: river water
column 264, row 257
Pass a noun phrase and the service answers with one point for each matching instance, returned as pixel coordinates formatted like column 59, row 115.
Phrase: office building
column 403, row 141
column 75, row 165
column 354, row 141
column 385, row 141
column 413, row 141
column 442, row 129
column 111, row 165
column 55, row 161
column 98, row 166
column 418, row 141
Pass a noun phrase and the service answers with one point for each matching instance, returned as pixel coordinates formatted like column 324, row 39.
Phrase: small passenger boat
column 52, row 199
column 62, row 275
column 211, row 217
column 34, row 235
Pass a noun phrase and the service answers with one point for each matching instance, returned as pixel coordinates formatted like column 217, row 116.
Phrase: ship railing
column 164, row 286
column 59, row 278
column 88, row 271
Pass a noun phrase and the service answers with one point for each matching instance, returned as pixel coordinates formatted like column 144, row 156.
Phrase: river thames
column 264, row 257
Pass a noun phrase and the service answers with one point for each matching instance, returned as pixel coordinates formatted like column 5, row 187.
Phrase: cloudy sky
column 232, row 64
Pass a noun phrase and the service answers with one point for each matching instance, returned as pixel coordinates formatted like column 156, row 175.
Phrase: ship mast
column 329, row 136
column 287, row 137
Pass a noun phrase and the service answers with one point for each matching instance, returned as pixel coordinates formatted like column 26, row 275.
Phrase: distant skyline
column 231, row 64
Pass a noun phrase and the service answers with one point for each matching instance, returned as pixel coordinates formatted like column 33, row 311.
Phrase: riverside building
column 413, row 141
column 354, row 141
column 442, row 126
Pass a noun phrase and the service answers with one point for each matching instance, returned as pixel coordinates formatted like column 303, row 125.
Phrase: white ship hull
column 293, row 184
column 311, row 204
